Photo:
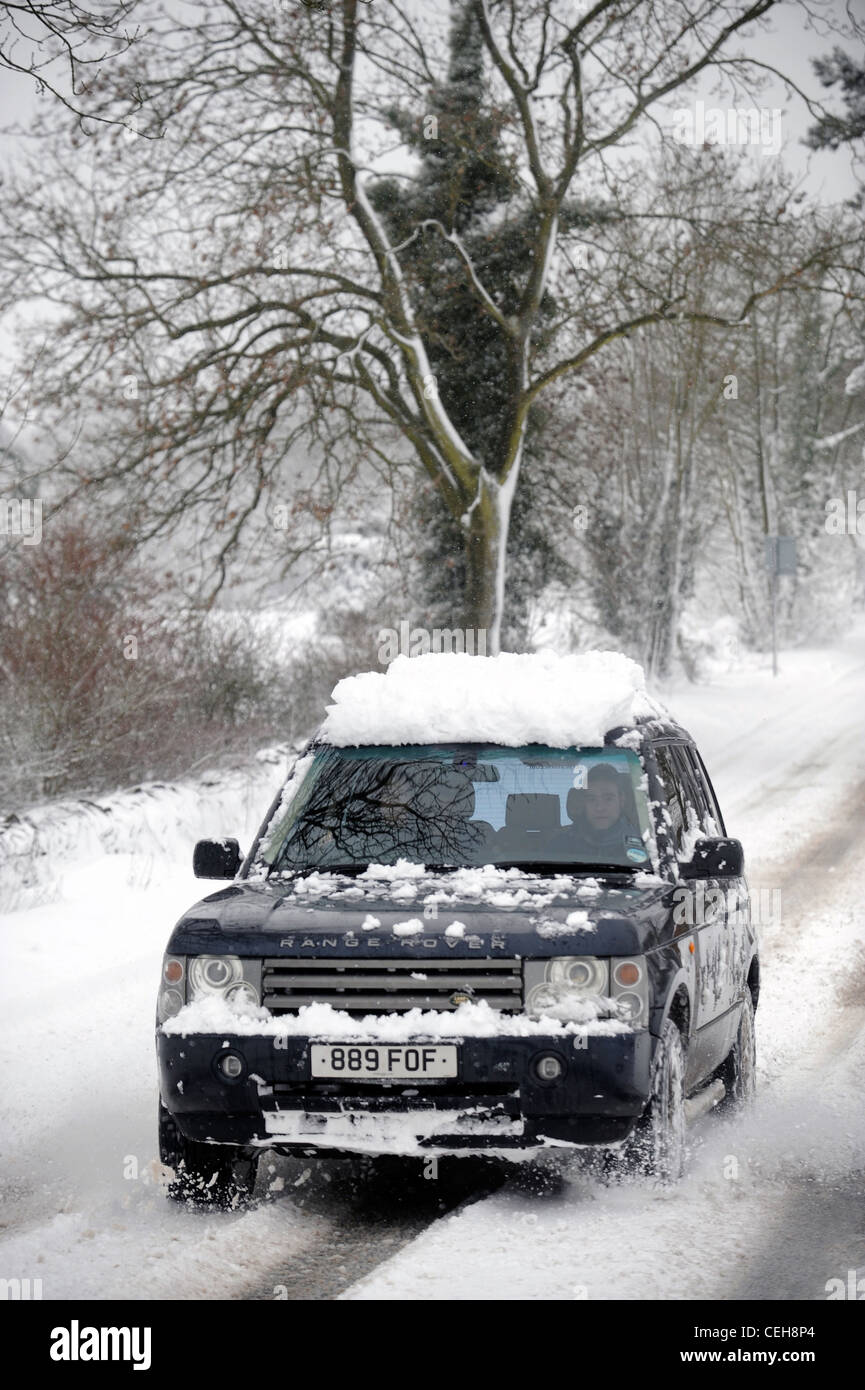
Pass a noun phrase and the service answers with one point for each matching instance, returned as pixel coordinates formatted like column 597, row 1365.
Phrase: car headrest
column 532, row 811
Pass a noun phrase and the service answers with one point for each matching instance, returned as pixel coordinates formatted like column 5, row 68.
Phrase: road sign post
column 780, row 559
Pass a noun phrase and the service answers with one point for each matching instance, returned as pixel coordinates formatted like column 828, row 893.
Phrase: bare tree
column 251, row 290
column 58, row 42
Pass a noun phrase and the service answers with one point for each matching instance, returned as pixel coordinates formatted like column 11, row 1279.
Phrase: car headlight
column 541, row 998
column 630, row 990
column 236, row 978
column 549, row 984
column 172, row 988
column 622, row 985
column 585, row 974
column 170, row 1002
column 244, row 993
column 213, row 974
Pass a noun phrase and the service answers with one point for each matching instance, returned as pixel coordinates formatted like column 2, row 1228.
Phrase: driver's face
column 603, row 806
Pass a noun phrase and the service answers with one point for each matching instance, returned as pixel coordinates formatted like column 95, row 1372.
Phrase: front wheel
column 204, row 1175
column 656, row 1148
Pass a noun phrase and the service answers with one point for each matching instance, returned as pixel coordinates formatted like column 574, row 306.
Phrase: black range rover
column 464, row 947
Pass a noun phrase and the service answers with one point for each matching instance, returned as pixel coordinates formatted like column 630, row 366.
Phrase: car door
column 699, row 905
column 720, row 933
column 686, row 896
column 738, row 938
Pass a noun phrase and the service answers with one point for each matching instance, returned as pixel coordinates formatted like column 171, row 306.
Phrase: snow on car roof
column 510, row 699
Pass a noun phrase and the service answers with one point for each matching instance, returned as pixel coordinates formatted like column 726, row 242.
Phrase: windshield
column 462, row 806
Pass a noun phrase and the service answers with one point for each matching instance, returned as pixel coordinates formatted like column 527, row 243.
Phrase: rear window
column 454, row 806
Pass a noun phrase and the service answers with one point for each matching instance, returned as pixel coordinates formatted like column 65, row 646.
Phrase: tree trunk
column 486, row 531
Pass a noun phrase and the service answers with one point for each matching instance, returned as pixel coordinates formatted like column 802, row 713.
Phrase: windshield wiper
column 557, row 867
column 299, row 870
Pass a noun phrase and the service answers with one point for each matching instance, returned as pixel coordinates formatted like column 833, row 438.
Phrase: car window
column 714, row 819
column 673, row 800
column 698, row 821
column 465, row 805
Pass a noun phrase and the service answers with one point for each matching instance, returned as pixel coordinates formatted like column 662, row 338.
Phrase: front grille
column 390, row 986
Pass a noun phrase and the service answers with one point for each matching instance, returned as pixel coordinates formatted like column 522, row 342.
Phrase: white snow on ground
column 37, row 846
column 77, row 995
column 781, row 750
column 510, row 699
column 79, row 1201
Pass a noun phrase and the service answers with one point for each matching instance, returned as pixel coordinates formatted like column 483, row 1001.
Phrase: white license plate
column 397, row 1062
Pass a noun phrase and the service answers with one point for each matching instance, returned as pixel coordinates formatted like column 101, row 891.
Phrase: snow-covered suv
column 494, row 909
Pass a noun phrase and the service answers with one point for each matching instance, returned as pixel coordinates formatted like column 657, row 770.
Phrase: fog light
column 549, row 1068
column 230, row 1065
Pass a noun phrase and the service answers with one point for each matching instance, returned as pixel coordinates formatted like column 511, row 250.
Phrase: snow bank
column 40, row 845
column 510, row 699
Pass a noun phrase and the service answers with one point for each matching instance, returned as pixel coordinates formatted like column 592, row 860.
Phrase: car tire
column 738, row 1071
column 204, row 1175
column 656, row 1148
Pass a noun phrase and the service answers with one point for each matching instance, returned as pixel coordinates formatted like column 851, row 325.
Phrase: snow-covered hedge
column 158, row 818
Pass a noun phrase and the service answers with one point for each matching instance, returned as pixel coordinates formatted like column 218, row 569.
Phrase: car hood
column 464, row 913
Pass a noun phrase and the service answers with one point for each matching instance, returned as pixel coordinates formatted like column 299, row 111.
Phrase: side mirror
column 715, row 859
column 216, row 859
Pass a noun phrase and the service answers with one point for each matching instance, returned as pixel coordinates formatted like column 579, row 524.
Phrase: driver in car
column 600, row 829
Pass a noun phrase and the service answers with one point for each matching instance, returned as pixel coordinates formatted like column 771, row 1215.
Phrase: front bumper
column 496, row 1103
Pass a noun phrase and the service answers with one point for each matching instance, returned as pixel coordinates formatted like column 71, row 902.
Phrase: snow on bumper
column 497, row 1101
column 394, row 1132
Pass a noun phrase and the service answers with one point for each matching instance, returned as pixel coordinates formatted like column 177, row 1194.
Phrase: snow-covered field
column 771, row 1206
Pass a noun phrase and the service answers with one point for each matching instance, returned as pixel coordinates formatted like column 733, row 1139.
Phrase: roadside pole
column 780, row 559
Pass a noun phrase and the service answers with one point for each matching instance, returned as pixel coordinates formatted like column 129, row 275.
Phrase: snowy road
column 772, row 1207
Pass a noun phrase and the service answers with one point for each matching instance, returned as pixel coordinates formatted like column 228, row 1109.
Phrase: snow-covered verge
column 80, row 1195
column 39, row 847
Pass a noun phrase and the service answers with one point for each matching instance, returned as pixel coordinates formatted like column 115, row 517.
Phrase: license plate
column 362, row 1062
